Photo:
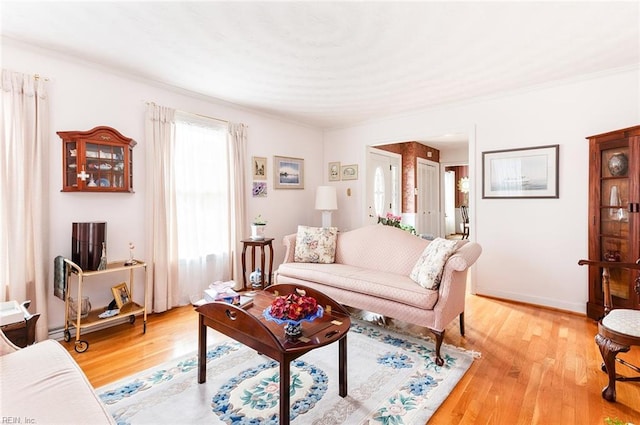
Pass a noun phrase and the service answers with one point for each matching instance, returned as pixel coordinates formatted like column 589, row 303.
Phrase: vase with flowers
column 291, row 310
column 396, row 221
column 257, row 228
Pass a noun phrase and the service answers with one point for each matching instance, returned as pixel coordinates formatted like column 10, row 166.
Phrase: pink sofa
column 42, row 384
column 371, row 272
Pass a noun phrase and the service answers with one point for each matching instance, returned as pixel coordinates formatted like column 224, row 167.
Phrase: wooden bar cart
column 130, row 309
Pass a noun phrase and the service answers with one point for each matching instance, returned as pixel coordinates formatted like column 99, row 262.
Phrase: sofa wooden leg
column 462, row 323
column 439, row 337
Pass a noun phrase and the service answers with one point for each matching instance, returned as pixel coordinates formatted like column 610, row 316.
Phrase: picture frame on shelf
column 521, row 173
column 121, row 294
column 288, row 173
column 259, row 167
column 334, row 171
column 349, row 172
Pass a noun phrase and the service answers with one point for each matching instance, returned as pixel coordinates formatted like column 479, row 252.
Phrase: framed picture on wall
column 334, row 171
column 349, row 172
column 288, row 173
column 521, row 173
column 259, row 167
column 259, row 189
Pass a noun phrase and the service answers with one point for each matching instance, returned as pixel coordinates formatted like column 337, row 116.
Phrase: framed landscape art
column 521, row 173
column 288, row 173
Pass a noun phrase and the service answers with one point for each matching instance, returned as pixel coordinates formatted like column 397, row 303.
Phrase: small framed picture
column 288, row 173
column 349, row 172
column 259, row 189
column 121, row 294
column 259, row 167
column 334, row 171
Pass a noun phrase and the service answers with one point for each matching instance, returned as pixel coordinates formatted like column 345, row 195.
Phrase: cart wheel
column 132, row 319
column 81, row 346
column 67, row 336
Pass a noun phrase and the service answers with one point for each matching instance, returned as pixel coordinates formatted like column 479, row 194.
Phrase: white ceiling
column 339, row 63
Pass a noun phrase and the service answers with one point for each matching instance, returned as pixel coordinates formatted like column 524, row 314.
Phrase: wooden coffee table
column 249, row 327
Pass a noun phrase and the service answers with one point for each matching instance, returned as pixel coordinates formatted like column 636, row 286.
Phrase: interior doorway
column 456, row 189
column 450, row 149
column 449, row 187
column 428, row 199
column 383, row 191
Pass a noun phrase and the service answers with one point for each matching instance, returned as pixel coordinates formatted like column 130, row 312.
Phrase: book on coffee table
column 242, row 301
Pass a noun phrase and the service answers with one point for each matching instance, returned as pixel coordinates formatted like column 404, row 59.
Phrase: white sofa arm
column 289, row 242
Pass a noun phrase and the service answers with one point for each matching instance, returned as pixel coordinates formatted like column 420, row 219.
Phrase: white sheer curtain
column 204, row 204
column 24, row 177
column 193, row 169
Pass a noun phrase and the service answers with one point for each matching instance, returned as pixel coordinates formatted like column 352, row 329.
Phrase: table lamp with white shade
column 326, row 201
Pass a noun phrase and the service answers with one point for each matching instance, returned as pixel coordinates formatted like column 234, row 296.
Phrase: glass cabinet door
column 70, row 152
column 614, row 217
column 105, row 165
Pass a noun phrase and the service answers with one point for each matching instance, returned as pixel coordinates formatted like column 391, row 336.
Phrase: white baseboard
column 535, row 300
column 58, row 333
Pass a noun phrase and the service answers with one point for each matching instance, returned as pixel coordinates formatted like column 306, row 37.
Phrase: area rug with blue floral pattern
column 392, row 380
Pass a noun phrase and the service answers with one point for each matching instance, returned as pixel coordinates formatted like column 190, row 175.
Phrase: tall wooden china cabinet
column 614, row 216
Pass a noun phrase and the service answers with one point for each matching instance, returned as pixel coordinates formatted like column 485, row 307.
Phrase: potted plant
column 395, row 221
column 257, row 228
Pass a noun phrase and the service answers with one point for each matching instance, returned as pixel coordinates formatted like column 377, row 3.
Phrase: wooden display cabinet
column 98, row 160
column 614, row 216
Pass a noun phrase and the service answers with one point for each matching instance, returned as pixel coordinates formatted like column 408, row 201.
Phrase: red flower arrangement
column 293, row 307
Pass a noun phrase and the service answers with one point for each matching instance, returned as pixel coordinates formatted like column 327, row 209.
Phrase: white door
column 449, row 203
column 383, row 184
column 428, row 211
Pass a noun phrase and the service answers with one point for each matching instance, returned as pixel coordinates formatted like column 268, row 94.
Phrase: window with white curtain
column 202, row 202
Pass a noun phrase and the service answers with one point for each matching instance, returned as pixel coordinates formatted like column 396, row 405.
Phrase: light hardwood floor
column 538, row 366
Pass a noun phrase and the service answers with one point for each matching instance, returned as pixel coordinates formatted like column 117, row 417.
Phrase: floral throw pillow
column 428, row 269
column 315, row 245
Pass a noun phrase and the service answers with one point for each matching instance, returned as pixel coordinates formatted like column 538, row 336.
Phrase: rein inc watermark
column 17, row 420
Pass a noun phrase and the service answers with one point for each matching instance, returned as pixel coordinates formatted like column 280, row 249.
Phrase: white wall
column 454, row 156
column 530, row 247
column 82, row 96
